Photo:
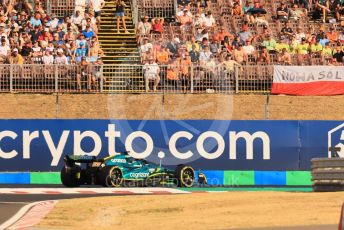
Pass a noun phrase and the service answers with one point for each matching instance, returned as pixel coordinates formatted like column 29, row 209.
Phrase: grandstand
column 183, row 46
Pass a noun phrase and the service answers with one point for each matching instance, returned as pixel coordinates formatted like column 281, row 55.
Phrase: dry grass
column 197, row 211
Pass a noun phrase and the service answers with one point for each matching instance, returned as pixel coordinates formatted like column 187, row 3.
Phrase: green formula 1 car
column 121, row 170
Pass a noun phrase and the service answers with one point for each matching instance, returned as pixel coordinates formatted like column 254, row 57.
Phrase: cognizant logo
column 56, row 147
column 139, row 175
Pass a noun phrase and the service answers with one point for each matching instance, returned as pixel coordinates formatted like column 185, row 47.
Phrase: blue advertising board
column 39, row 145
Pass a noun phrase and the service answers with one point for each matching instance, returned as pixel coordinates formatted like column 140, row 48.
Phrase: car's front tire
column 185, row 176
column 70, row 176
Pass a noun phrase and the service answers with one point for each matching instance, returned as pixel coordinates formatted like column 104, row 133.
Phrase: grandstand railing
column 50, row 78
column 173, row 78
column 153, row 8
column 254, row 79
column 60, row 8
column 135, row 79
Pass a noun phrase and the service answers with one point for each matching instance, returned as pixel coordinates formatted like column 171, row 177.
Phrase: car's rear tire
column 111, row 176
column 69, row 176
column 185, row 176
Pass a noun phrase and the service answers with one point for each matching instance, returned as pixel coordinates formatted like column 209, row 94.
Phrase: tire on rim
column 70, row 176
column 185, row 176
column 112, row 176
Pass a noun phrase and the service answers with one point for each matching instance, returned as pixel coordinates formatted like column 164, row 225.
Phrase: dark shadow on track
column 13, row 203
column 41, row 197
column 7, row 210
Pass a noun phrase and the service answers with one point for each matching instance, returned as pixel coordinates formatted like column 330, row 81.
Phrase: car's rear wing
column 81, row 159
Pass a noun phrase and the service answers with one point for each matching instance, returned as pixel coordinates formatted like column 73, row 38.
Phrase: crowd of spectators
column 213, row 35
column 29, row 35
column 208, row 40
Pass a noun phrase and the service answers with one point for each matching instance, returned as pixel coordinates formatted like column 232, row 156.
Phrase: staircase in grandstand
column 120, row 50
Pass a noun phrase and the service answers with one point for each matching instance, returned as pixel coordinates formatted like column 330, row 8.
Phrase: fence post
column 175, row 4
column 236, row 75
column 191, row 79
column 11, row 78
column 56, row 79
column 48, row 7
column 101, row 78
column 146, row 83
column 135, row 12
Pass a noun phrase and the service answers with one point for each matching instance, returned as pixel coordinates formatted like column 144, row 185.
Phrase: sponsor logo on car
column 119, row 160
column 139, row 175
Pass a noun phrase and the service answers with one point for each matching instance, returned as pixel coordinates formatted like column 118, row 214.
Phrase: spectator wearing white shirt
column 77, row 18
column 249, row 48
column 48, row 59
column 97, row 5
column 61, row 59
column 151, row 72
column 205, row 55
column 146, row 46
column 208, row 20
column 5, row 50
column 181, row 12
column 54, row 23
column 144, row 28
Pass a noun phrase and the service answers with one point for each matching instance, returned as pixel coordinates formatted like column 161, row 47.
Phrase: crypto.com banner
column 308, row 80
column 39, row 145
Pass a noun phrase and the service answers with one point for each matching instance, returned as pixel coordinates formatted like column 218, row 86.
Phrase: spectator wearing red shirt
column 45, row 36
column 157, row 25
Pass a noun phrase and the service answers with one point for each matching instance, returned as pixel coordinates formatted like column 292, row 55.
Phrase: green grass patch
column 45, row 178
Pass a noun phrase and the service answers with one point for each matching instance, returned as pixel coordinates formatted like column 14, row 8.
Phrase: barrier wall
column 229, row 152
column 226, row 178
column 170, row 107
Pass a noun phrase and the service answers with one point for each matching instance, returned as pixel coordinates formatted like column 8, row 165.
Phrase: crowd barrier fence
column 135, row 79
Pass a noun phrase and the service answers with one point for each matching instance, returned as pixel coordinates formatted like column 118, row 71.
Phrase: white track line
column 34, row 215
column 26, row 191
column 18, row 215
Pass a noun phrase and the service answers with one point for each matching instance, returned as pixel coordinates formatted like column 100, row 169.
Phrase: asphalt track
column 8, row 210
column 11, row 204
